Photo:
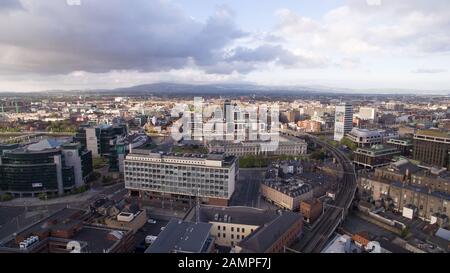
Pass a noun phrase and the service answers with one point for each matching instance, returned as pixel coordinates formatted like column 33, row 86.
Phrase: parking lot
column 355, row 224
column 247, row 188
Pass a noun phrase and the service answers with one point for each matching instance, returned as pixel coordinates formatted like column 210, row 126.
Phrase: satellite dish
column 74, row 247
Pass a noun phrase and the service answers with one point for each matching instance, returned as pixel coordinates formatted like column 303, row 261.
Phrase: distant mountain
column 235, row 89
column 262, row 89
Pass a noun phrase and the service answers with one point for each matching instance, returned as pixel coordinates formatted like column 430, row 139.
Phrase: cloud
column 271, row 53
column 363, row 27
column 429, row 71
column 99, row 36
column 10, row 5
column 349, row 63
column 52, row 37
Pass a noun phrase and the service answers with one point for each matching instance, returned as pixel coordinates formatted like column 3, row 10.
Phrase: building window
column 232, row 229
column 238, row 229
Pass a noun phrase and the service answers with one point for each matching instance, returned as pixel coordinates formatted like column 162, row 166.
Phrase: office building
column 294, row 148
column 374, row 157
column 48, row 166
column 367, row 113
column 100, row 140
column 432, row 147
column 123, row 146
column 405, row 146
column 310, row 126
column 182, row 178
column 368, row 138
column 343, row 121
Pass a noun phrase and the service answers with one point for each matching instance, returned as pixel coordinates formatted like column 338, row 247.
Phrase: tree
column 350, row 144
column 405, row 232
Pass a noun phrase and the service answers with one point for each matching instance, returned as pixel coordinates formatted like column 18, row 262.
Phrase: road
column 17, row 216
column 314, row 240
column 247, row 188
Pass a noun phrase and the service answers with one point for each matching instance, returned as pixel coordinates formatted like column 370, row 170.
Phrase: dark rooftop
column 182, row 236
column 241, row 215
column 265, row 236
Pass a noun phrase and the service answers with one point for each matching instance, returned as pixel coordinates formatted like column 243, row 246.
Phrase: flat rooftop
column 98, row 239
column 181, row 236
column 225, row 159
column 240, row 215
column 433, row 133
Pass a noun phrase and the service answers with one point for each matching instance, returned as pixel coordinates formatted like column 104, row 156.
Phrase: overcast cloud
column 48, row 42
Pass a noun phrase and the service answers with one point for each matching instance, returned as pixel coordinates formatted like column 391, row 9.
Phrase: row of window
column 224, row 228
column 173, row 174
column 184, row 182
column 159, row 167
column 224, row 235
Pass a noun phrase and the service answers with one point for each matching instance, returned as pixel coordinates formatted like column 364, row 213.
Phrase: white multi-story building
column 367, row 138
column 343, row 120
column 367, row 113
column 295, row 148
column 160, row 176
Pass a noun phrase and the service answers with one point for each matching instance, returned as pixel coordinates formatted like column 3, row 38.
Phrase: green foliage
column 194, row 149
column 7, row 129
column 62, row 126
column 6, row 197
column 319, row 154
column 94, row 176
column 252, row 161
column 405, row 232
column 80, row 190
column 107, row 180
column 99, row 162
column 42, row 196
column 334, row 143
column 350, row 144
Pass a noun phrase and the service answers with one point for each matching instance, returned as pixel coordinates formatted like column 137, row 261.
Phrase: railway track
column 315, row 240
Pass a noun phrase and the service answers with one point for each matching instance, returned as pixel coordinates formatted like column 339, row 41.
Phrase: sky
column 356, row 44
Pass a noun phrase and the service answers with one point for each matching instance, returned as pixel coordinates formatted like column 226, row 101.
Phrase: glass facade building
column 44, row 167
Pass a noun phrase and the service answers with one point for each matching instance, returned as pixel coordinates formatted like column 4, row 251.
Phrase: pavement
column 18, row 213
column 7, row 213
column 355, row 224
column 247, row 188
column 84, row 197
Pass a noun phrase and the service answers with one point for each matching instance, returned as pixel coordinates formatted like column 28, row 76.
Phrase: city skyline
column 358, row 45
